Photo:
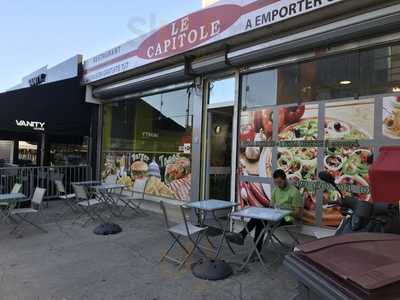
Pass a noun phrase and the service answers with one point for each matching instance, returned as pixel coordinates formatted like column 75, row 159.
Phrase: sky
column 35, row 33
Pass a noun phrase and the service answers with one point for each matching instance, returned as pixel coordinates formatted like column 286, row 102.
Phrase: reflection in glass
column 147, row 144
column 222, row 91
column 259, row 89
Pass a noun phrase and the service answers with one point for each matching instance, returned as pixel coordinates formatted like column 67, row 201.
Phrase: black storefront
column 48, row 125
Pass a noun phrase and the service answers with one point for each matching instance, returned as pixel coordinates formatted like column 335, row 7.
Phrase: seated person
column 284, row 196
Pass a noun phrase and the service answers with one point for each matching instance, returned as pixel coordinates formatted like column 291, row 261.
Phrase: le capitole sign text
column 223, row 20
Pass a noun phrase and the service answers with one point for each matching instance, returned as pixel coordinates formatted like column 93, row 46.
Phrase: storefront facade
column 207, row 106
column 46, row 121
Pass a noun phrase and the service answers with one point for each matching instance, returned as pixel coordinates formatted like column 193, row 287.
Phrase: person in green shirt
column 284, row 196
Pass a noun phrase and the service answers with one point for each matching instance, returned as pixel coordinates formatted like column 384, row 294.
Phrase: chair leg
column 168, row 251
column 24, row 219
column 210, row 243
column 187, row 257
column 179, row 242
column 197, row 242
column 17, row 225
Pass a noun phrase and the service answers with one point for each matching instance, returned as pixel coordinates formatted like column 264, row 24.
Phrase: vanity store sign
column 223, row 20
column 34, row 125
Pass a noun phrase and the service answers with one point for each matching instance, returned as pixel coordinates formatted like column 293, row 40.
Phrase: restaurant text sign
column 221, row 21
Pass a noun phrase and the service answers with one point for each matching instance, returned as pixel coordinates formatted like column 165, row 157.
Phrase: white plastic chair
column 36, row 207
column 187, row 230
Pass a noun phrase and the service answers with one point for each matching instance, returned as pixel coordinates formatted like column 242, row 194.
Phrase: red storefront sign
column 195, row 30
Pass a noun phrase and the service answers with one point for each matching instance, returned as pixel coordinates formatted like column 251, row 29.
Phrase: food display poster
column 391, row 117
column 160, row 175
column 305, row 141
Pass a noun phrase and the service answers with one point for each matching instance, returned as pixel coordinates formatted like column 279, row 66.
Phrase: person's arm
column 297, row 204
column 273, row 199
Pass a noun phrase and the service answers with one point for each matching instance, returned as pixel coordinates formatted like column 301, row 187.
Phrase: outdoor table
column 12, row 199
column 270, row 218
column 212, row 206
column 104, row 192
column 87, row 183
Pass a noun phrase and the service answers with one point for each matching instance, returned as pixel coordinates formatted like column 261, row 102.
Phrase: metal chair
column 133, row 201
column 68, row 199
column 4, row 205
column 87, row 204
column 292, row 231
column 16, row 188
column 187, row 230
column 36, row 207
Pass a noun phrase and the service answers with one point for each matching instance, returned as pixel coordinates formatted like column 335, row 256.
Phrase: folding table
column 212, row 206
column 270, row 218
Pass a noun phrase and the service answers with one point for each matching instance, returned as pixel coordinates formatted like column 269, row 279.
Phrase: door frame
column 205, row 130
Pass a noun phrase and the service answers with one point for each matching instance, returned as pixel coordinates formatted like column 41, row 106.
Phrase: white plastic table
column 212, row 206
column 270, row 218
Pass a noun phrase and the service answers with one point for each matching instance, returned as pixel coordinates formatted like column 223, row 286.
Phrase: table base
column 211, row 269
column 107, row 229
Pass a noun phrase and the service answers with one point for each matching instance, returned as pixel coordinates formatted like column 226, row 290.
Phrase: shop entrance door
column 218, row 139
column 219, row 154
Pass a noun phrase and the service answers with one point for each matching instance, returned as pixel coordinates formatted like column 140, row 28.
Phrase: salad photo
column 349, row 166
column 298, row 123
column 391, row 117
column 298, row 163
column 350, row 120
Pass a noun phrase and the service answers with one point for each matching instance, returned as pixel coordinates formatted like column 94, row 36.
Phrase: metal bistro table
column 106, row 192
column 87, row 183
column 212, row 206
column 270, row 218
column 8, row 202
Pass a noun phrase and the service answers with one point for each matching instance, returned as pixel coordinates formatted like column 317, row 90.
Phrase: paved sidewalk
column 72, row 263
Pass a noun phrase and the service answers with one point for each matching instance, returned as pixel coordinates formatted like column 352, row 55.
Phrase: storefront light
column 396, row 89
column 345, row 82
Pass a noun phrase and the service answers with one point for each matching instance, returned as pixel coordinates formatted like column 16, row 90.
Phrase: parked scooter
column 363, row 216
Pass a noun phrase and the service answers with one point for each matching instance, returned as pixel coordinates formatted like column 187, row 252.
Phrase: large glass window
column 147, row 144
column 313, row 126
column 222, row 91
column 259, row 89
